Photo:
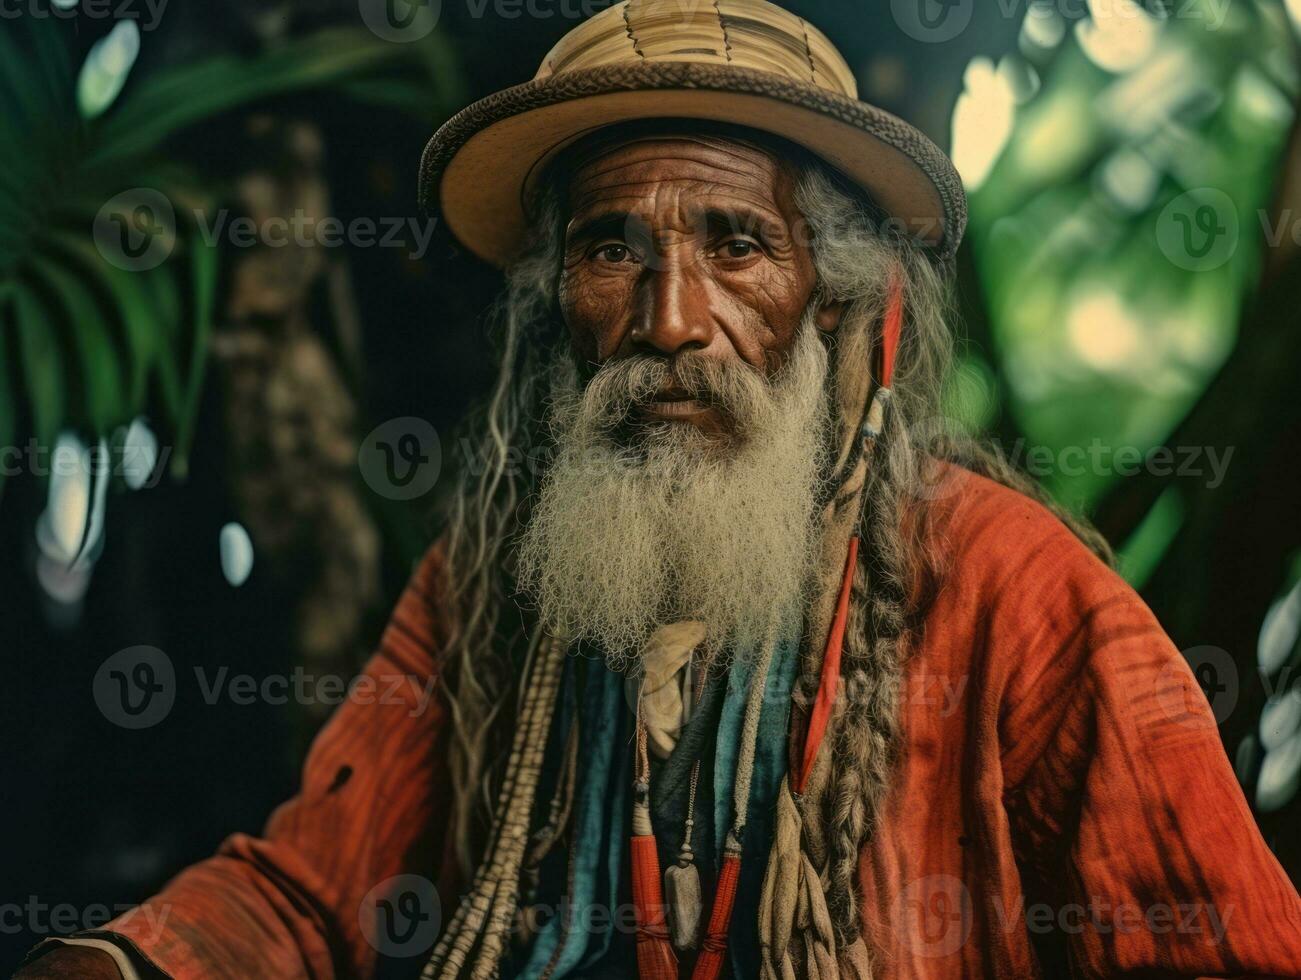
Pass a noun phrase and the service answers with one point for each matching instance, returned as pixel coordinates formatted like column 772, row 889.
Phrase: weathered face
column 685, row 244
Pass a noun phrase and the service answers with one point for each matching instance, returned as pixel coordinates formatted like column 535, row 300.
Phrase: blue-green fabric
column 604, row 784
column 770, row 759
column 600, row 838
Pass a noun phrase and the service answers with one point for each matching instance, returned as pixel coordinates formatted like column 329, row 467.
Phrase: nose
column 673, row 309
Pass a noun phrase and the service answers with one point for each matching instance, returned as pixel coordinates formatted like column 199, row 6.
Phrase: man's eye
column 613, row 253
column 737, row 248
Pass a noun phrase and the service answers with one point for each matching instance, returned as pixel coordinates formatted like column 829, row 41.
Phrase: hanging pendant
column 682, row 894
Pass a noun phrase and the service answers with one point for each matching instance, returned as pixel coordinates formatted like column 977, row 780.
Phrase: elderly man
column 751, row 677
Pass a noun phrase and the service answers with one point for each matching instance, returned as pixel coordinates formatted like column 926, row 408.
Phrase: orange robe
column 1063, row 805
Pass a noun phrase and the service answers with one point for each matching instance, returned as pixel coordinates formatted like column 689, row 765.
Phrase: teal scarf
column 602, row 807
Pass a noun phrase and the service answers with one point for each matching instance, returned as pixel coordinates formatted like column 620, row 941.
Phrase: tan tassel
column 853, row 962
column 781, row 882
column 686, row 907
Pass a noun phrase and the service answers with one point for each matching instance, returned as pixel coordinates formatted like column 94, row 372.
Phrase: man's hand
column 71, row 963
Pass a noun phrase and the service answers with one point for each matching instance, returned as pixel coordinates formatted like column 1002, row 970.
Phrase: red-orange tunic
column 1063, row 803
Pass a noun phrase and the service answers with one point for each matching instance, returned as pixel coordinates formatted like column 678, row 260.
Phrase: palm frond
column 190, row 93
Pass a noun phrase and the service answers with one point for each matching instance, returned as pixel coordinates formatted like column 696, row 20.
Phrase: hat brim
column 478, row 169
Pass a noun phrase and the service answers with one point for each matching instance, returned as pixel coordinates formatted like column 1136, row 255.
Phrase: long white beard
column 630, row 532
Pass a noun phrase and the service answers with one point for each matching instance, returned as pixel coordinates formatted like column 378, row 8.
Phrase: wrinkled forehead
column 678, row 165
column 682, row 150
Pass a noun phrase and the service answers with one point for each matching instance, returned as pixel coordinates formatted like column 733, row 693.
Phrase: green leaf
column 204, row 267
column 165, row 309
column 24, row 125
column 55, row 60
column 414, row 100
column 8, row 405
column 100, row 377
column 189, row 94
column 41, row 363
column 134, row 309
column 21, row 89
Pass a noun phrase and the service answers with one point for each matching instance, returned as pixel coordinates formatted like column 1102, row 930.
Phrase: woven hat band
column 751, row 34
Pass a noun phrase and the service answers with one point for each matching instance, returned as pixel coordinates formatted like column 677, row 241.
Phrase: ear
column 829, row 316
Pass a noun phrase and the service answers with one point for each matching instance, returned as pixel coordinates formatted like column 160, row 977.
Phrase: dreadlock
column 856, row 251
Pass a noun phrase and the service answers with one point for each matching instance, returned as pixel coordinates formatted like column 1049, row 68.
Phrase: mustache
column 620, row 386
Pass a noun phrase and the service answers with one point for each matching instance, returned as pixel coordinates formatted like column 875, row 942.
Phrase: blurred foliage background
column 1129, row 287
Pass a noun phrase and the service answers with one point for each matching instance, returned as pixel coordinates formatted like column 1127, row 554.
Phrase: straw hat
column 744, row 62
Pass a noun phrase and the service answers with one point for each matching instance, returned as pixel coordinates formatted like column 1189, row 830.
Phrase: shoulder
column 1045, row 627
column 991, row 539
column 420, row 622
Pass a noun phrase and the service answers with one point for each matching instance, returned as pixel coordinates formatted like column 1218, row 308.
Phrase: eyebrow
column 721, row 221
column 609, row 224
column 718, row 221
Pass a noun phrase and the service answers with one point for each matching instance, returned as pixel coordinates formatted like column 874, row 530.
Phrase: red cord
column 710, row 964
column 655, row 957
column 890, row 330
column 826, row 698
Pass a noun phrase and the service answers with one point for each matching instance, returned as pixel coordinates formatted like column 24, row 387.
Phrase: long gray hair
column 855, row 253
